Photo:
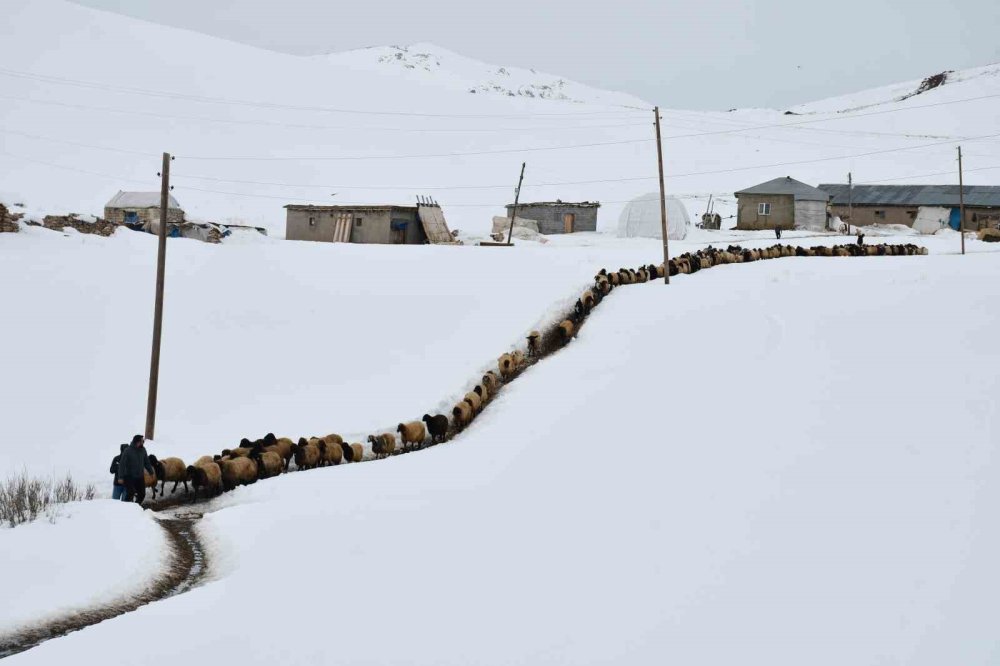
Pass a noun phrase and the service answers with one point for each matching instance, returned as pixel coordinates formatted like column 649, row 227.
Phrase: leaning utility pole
column 161, row 258
column 517, row 197
column 663, row 200
column 961, row 201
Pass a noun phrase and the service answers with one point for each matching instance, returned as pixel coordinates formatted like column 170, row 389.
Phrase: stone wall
column 8, row 220
column 100, row 226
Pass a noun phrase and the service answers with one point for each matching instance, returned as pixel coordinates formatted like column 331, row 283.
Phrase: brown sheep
column 238, row 452
column 306, row 454
column 284, row 447
column 589, row 301
column 473, row 400
column 481, row 391
column 331, row 452
column 203, row 460
column 462, row 414
column 239, row 471
column 150, row 481
column 205, row 474
column 518, row 357
column 170, row 469
column 413, row 433
column 566, row 330
column 491, row 381
column 269, row 463
column 353, row 452
column 383, row 445
column 506, row 366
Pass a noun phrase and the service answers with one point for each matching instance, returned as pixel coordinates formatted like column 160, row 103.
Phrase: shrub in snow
column 24, row 498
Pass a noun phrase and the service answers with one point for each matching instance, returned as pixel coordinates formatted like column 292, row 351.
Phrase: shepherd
column 118, row 489
column 132, row 463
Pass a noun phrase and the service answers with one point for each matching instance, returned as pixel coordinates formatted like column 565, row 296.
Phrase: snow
column 800, row 485
column 92, row 553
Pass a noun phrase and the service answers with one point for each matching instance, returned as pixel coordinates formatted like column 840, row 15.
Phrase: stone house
column 865, row 205
column 782, row 203
column 141, row 210
column 559, row 217
column 377, row 224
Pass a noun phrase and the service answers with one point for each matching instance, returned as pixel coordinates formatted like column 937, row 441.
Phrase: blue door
column 953, row 220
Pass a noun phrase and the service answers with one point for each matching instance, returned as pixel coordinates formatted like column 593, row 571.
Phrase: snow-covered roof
column 913, row 195
column 140, row 200
column 788, row 185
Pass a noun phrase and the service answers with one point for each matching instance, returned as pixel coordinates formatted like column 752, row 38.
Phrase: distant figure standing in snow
column 118, row 490
column 777, row 232
column 131, row 465
column 861, row 238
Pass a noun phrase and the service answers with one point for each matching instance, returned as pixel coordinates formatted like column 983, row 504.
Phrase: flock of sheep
column 271, row 455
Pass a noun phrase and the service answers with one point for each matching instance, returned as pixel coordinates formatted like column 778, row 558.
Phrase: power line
column 925, row 175
column 825, row 120
column 265, row 123
column 349, row 158
column 91, row 146
column 76, row 170
column 271, row 105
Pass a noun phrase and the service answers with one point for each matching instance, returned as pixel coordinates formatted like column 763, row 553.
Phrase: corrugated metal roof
column 573, row 204
column 788, row 185
column 140, row 200
column 914, row 195
column 358, row 207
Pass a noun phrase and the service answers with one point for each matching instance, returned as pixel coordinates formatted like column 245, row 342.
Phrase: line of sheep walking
column 271, row 456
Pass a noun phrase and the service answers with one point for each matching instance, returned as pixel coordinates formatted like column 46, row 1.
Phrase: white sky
column 696, row 54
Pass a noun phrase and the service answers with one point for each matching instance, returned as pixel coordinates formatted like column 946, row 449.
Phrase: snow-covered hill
column 89, row 100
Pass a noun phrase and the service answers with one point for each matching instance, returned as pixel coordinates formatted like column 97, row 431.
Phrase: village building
column 141, row 210
column 559, row 217
column 782, row 203
column 379, row 224
column 928, row 207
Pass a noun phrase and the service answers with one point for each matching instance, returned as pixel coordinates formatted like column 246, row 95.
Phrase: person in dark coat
column 861, row 238
column 118, row 490
column 131, row 464
column 777, row 232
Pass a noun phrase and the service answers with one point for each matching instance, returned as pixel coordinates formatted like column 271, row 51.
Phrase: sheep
column 533, row 339
column 589, row 300
column 615, row 279
column 204, row 460
column 238, row 452
column 283, row 446
column 481, row 391
column 566, row 330
column 269, row 463
column 306, row 454
column 331, row 451
column 239, row 471
column 437, row 426
column 205, row 474
column 518, row 357
column 383, row 445
column 491, row 381
column 353, row 452
column 506, row 366
column 462, row 414
column 150, row 481
column 474, row 401
column 414, row 433
column 170, row 469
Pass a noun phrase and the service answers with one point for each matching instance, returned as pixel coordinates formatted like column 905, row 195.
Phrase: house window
column 312, row 221
column 357, row 221
column 880, row 214
column 763, row 209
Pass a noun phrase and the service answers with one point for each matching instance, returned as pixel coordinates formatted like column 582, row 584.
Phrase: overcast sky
column 696, row 54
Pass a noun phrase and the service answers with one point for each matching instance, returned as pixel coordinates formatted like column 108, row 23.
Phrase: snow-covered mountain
column 89, row 100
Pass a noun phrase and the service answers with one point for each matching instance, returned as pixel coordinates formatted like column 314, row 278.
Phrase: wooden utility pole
column 663, row 200
column 961, row 201
column 517, row 197
column 161, row 258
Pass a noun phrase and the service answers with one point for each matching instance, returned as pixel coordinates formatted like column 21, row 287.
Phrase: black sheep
column 437, row 426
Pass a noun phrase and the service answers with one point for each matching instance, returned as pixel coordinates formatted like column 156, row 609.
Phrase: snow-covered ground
column 91, row 553
column 90, row 100
column 787, row 462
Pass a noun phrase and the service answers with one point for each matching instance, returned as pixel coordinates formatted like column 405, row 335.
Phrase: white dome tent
column 640, row 218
